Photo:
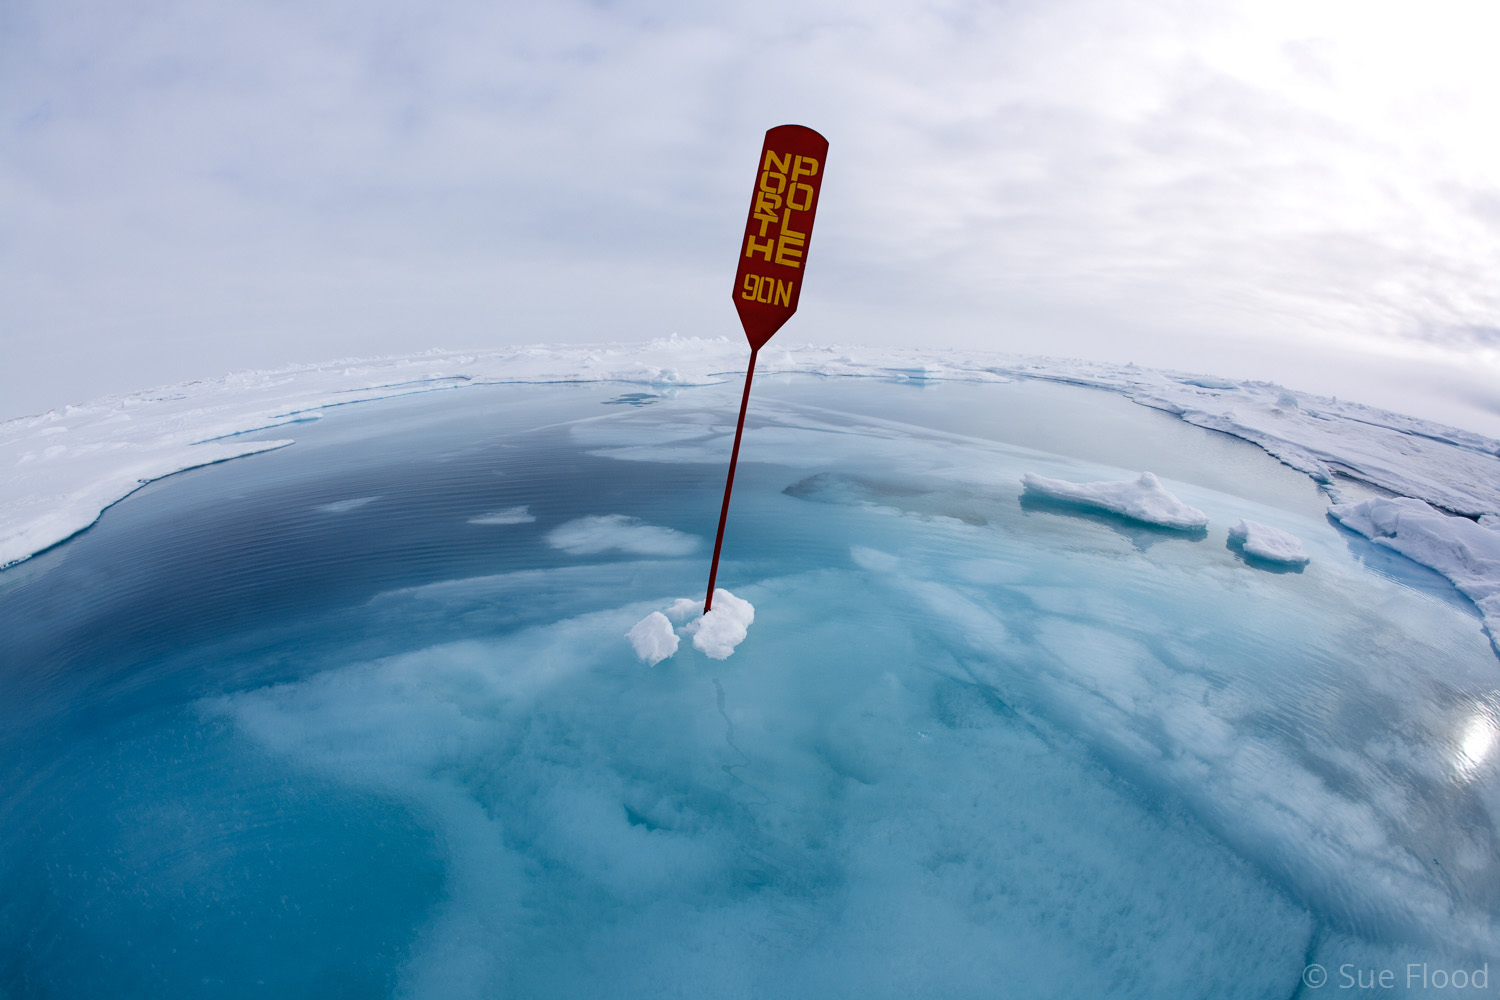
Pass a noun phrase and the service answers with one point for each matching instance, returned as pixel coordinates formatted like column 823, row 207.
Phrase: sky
column 1307, row 192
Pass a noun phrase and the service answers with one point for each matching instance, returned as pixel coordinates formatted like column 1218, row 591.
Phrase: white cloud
column 1226, row 185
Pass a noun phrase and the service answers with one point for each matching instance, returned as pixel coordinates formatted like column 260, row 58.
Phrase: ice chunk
column 715, row 634
column 718, row 632
column 1266, row 542
column 653, row 638
column 1143, row 499
column 617, row 532
column 1465, row 552
column 510, row 515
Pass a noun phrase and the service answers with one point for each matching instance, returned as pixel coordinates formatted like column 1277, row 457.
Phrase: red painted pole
column 768, row 280
column 734, row 458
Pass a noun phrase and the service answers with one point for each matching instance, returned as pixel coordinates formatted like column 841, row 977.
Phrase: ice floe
column 1464, row 551
column 1265, row 542
column 1144, row 499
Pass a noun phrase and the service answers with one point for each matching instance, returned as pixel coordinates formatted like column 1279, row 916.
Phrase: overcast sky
column 1302, row 191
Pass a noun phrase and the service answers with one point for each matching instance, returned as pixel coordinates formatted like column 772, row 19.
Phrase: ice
column 652, row 638
column 1144, row 499
column 619, row 533
column 1465, row 552
column 716, row 634
column 510, row 515
column 1266, row 542
column 723, row 627
column 66, row 466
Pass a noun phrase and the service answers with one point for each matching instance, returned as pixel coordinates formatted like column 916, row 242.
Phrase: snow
column 724, row 627
column 1465, row 552
column 619, row 533
column 652, row 638
column 1144, row 499
column 716, row 634
column 1266, row 542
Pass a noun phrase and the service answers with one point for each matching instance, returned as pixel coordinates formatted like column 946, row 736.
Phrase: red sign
column 773, row 254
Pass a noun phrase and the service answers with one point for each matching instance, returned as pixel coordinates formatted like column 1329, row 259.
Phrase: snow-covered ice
column 1268, row 543
column 1465, row 552
column 1144, row 499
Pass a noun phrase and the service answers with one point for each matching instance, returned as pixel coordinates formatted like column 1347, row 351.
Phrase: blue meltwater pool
column 358, row 717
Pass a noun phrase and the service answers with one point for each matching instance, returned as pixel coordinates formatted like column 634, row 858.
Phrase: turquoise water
column 297, row 726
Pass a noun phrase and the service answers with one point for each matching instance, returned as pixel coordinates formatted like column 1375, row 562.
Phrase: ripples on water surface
column 341, row 720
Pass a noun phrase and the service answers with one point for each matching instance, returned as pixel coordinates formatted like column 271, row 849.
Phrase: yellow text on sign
column 781, row 191
column 772, row 291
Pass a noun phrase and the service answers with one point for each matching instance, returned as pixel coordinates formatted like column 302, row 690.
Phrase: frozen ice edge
column 66, row 466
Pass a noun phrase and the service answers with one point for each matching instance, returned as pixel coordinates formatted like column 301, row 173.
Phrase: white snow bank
column 1144, row 499
column 653, row 639
column 1266, row 542
column 619, row 533
column 714, row 634
column 60, row 469
column 510, row 515
column 1465, row 552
